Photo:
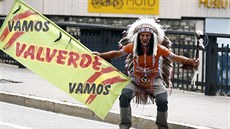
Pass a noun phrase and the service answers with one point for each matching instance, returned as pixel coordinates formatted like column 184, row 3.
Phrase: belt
column 144, row 79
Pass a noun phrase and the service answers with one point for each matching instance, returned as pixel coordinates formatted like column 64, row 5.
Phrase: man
column 145, row 37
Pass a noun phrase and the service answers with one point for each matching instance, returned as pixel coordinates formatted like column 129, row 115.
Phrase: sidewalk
column 187, row 110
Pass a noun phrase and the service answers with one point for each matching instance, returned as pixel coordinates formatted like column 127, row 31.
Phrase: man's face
column 145, row 38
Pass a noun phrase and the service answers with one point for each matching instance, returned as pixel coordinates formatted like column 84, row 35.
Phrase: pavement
column 187, row 110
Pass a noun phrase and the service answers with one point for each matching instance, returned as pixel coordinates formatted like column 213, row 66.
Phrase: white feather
column 146, row 20
column 155, row 44
column 158, row 35
column 134, row 40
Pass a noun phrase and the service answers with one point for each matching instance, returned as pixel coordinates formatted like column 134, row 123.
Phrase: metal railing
column 213, row 74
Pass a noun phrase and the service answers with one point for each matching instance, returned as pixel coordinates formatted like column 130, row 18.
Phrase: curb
column 82, row 111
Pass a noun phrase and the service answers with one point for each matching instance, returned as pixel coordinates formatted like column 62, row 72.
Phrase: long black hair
column 139, row 46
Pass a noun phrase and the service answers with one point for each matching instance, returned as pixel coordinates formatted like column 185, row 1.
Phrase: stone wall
column 168, row 24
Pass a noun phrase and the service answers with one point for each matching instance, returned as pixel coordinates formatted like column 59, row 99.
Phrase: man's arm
column 109, row 55
column 185, row 60
column 178, row 58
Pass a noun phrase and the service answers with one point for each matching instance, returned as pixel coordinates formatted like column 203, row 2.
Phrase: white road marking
column 13, row 125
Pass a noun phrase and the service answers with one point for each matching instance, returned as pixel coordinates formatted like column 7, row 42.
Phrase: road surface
column 20, row 117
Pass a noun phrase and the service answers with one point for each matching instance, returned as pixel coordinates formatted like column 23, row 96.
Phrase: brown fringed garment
column 144, row 95
column 166, row 65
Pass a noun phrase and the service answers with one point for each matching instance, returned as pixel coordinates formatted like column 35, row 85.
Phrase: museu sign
column 216, row 4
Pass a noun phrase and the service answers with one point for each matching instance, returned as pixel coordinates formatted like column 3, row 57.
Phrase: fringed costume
column 149, row 65
column 146, row 66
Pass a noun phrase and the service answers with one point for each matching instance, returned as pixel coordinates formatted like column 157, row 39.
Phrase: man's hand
column 190, row 63
column 96, row 53
column 194, row 62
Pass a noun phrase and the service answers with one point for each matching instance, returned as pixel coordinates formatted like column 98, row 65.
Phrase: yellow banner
column 124, row 6
column 46, row 49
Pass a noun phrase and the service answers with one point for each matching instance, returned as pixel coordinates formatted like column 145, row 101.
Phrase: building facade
column 184, row 15
column 212, row 16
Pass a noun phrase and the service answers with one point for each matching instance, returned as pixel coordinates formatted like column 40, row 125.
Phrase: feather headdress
column 145, row 24
column 150, row 25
